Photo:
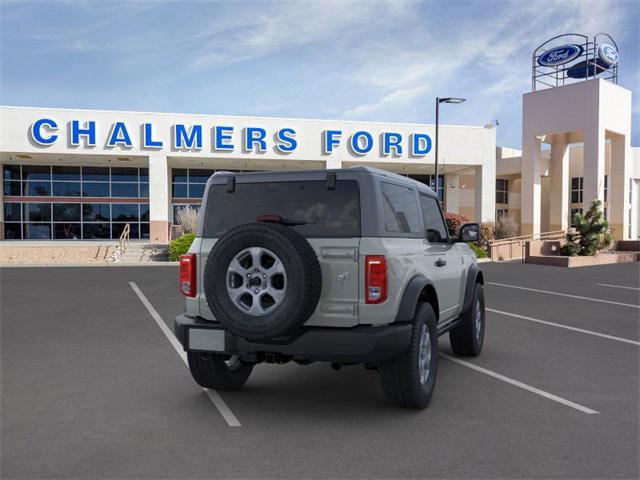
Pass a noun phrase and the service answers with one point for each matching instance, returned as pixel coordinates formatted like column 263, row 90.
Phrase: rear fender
column 412, row 295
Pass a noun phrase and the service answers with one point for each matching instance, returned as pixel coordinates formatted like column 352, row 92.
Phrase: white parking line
column 566, row 327
column 616, row 286
column 216, row 399
column 590, row 299
column 524, row 386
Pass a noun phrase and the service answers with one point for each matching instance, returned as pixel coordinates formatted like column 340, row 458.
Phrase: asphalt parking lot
column 93, row 388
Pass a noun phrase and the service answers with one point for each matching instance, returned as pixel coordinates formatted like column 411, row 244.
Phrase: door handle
column 440, row 262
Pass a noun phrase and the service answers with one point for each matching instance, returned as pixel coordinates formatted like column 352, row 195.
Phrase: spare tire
column 262, row 280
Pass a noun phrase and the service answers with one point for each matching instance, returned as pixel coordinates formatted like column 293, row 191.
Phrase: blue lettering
column 255, row 135
column 221, row 137
column 186, row 139
column 391, row 140
column 356, row 144
column 330, row 141
column 286, row 141
column 147, row 138
column 421, row 144
column 89, row 131
column 119, row 136
column 36, row 131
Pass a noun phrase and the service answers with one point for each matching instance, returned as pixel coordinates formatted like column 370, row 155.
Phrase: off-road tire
column 211, row 371
column 400, row 376
column 464, row 337
column 303, row 283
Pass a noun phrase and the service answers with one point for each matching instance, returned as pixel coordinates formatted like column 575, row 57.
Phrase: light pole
column 438, row 102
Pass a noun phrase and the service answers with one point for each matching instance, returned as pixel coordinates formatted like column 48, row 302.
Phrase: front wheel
column 409, row 379
column 220, row 372
column 467, row 337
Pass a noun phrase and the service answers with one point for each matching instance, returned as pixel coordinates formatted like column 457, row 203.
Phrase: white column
column 559, row 205
column 452, row 192
column 531, row 188
column 593, row 167
column 159, row 198
column 618, row 188
column 485, row 192
column 333, row 163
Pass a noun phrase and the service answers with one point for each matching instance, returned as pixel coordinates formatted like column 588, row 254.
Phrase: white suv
column 344, row 266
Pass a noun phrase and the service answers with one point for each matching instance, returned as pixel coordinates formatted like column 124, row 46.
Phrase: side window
column 400, row 209
column 433, row 222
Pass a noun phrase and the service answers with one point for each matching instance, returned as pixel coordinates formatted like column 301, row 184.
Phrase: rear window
column 327, row 213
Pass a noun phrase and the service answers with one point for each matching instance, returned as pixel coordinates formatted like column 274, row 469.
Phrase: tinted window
column 124, row 212
column 327, row 213
column 66, row 212
column 37, row 231
column 124, row 174
column 434, row 225
column 37, row 189
column 12, row 212
column 11, row 172
column 95, row 189
column 124, row 189
column 12, row 189
column 12, row 231
column 179, row 190
column 400, row 209
column 179, row 175
column 196, row 190
column 36, row 172
column 96, row 230
column 100, row 174
column 37, row 212
column 66, row 189
column 69, row 231
column 66, row 173
column 96, row 212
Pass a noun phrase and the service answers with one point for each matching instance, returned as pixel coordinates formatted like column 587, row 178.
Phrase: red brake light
column 375, row 279
column 188, row 275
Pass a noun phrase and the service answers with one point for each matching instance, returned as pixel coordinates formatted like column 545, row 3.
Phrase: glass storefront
column 63, row 213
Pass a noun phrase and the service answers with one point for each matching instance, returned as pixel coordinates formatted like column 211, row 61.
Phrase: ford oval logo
column 560, row 55
column 608, row 54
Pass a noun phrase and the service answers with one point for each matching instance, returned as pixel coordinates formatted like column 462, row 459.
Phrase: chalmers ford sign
column 221, row 138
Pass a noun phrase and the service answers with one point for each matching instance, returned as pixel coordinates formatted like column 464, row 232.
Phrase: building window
column 502, row 190
column 64, row 181
column 74, row 221
column 576, row 190
column 606, row 187
column 189, row 182
column 502, row 213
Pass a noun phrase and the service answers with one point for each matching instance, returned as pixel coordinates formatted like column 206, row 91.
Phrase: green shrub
column 180, row 245
column 480, row 252
column 592, row 233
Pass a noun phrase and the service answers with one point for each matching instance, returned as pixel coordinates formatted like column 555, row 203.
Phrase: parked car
column 349, row 266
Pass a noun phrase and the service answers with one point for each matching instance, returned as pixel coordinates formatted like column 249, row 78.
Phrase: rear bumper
column 361, row 344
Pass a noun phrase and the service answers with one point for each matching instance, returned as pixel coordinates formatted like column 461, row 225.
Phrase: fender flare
column 473, row 276
column 411, row 297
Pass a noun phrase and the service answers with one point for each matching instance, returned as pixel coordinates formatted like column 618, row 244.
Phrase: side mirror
column 469, row 232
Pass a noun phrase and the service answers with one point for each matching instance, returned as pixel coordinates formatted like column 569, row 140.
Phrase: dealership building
column 85, row 174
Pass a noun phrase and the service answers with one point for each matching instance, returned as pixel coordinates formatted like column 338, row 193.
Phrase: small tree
column 454, row 222
column 187, row 218
column 592, row 233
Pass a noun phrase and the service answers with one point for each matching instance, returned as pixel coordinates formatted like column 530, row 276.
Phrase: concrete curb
column 75, row 265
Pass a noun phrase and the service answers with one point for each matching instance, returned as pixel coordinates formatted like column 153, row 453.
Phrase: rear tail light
column 375, row 279
column 188, row 274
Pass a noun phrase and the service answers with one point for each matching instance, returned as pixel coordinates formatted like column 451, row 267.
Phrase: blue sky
column 367, row 60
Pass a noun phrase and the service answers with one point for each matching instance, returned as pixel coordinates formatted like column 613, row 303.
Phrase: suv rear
column 344, row 266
